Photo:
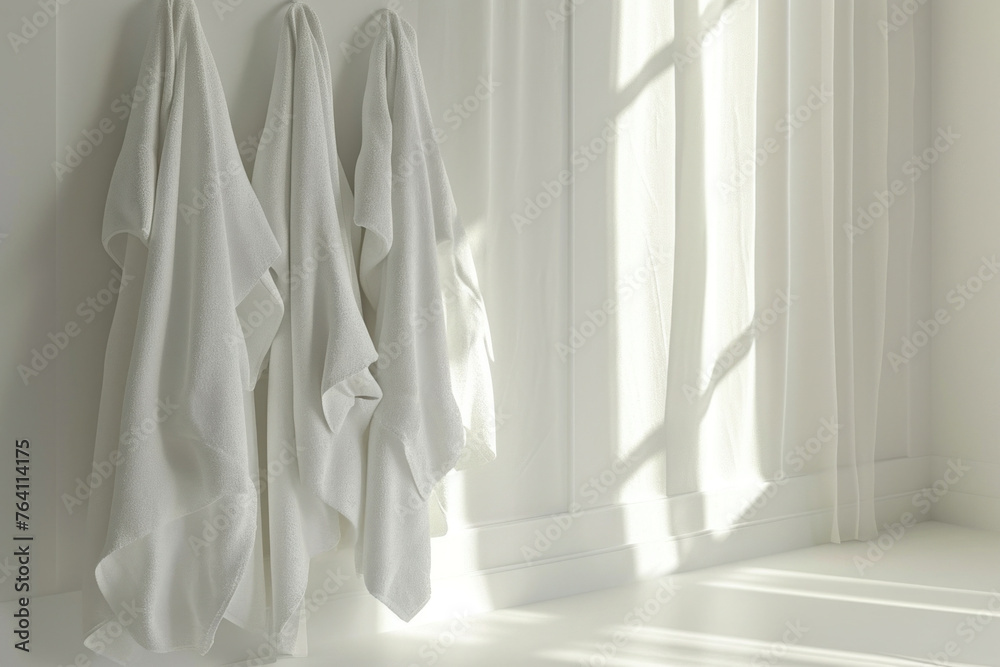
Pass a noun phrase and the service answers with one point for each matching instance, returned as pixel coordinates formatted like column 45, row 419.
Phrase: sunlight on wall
column 721, row 53
column 718, row 51
column 642, row 229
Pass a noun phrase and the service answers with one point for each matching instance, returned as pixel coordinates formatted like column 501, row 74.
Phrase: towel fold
column 321, row 395
column 173, row 529
column 428, row 321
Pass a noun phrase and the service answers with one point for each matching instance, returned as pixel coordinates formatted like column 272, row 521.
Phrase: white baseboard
column 484, row 568
column 974, row 501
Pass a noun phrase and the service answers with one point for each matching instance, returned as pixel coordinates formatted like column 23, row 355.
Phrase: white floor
column 929, row 592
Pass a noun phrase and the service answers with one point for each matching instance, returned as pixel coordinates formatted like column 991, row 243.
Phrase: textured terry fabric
column 321, row 394
column 427, row 319
column 173, row 530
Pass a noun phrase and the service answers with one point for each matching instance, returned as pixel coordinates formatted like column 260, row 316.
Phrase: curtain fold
column 791, row 234
column 783, row 296
column 495, row 72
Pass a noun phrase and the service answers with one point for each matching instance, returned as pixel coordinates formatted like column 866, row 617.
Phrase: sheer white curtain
column 794, row 123
column 496, row 77
column 762, row 147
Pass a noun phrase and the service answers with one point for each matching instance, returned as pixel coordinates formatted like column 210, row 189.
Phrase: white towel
column 172, row 530
column 321, row 394
column 427, row 319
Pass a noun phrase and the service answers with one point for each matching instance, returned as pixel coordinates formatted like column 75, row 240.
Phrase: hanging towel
column 321, row 394
column 173, row 528
column 428, row 321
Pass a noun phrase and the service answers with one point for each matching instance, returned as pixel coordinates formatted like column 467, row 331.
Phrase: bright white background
column 562, row 421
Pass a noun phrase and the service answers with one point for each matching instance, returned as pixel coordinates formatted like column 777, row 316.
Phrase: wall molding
column 482, row 568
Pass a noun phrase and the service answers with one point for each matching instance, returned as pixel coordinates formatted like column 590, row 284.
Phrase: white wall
column 966, row 201
column 565, row 420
